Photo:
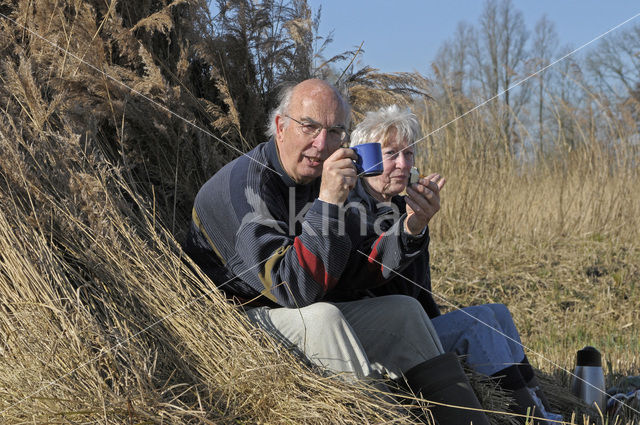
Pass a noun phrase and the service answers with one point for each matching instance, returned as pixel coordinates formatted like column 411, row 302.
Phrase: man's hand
column 339, row 176
column 423, row 201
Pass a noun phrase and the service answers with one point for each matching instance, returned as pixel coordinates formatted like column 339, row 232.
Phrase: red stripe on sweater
column 374, row 252
column 314, row 266
column 374, row 265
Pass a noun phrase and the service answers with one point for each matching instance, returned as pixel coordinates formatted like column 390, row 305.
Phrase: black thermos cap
column 589, row 356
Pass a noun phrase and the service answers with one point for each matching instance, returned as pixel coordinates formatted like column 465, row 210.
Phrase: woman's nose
column 402, row 161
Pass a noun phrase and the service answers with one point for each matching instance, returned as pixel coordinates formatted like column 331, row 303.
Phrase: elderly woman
column 484, row 334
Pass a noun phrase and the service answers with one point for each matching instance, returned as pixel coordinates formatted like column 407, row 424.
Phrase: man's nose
column 320, row 141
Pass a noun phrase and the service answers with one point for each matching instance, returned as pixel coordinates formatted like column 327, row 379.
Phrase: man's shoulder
column 257, row 171
column 238, row 171
column 255, row 160
column 240, row 181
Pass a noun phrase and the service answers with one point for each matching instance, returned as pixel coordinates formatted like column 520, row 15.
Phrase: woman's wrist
column 413, row 231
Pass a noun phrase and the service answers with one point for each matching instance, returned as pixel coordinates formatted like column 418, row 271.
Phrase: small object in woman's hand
column 414, row 176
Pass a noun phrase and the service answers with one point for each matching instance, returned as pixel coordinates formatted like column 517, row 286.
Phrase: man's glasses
column 312, row 129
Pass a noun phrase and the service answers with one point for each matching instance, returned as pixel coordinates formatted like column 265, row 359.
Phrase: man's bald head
column 305, row 87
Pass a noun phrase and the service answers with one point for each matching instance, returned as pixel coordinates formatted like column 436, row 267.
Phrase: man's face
column 302, row 155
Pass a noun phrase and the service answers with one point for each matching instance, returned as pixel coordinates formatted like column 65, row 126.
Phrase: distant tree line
column 488, row 59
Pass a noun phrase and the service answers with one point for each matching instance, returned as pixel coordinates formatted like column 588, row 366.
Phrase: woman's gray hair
column 284, row 101
column 376, row 125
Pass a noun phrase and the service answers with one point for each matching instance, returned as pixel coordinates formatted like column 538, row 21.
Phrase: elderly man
column 272, row 234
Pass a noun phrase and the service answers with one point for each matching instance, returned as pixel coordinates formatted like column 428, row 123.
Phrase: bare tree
column 615, row 64
column 545, row 45
column 498, row 59
column 566, row 97
column 452, row 60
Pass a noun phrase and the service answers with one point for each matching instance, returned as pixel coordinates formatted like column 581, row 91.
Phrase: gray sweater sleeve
column 380, row 258
column 394, row 249
column 293, row 270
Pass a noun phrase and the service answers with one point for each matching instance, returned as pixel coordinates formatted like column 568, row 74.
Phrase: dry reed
column 554, row 236
column 102, row 318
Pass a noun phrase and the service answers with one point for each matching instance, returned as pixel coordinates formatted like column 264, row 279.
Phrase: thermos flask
column 588, row 380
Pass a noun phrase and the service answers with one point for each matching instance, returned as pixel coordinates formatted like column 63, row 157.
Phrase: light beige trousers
column 357, row 339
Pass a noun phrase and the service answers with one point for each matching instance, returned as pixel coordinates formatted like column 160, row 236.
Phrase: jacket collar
column 360, row 194
column 271, row 151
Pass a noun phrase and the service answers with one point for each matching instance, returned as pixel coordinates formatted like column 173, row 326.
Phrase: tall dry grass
column 104, row 322
column 102, row 318
column 554, row 236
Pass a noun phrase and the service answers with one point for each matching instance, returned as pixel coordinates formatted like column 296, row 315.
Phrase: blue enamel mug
column 369, row 162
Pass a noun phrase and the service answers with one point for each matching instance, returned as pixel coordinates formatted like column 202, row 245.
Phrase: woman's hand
column 423, row 202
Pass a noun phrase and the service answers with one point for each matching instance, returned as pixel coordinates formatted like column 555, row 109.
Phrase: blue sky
column 404, row 35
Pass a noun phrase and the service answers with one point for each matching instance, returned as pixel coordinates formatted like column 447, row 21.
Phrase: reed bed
column 103, row 319
column 553, row 236
column 111, row 116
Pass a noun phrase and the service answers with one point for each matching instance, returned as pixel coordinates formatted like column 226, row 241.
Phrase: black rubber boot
column 529, row 376
column 525, row 405
column 512, row 380
column 535, row 384
column 442, row 380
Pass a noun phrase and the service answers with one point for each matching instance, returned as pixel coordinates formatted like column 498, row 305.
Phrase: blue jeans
column 485, row 334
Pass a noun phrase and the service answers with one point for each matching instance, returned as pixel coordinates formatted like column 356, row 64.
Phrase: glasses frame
column 319, row 127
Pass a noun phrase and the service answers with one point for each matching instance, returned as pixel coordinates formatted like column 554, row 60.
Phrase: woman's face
column 398, row 159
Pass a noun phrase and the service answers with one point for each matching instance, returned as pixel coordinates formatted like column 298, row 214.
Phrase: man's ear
column 280, row 122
